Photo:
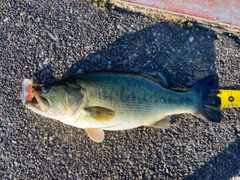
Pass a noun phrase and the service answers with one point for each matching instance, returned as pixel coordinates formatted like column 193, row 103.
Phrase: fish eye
column 45, row 89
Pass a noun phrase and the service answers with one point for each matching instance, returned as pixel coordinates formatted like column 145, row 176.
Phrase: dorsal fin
column 160, row 77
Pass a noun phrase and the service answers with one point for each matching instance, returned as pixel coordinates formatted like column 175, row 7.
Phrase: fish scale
column 117, row 101
column 157, row 101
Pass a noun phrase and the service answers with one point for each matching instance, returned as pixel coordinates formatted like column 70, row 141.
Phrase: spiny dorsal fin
column 100, row 113
column 95, row 134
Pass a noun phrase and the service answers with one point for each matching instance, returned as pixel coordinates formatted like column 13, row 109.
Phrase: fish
column 112, row 101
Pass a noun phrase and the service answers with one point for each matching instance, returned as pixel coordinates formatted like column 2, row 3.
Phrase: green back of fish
column 117, row 101
column 133, row 93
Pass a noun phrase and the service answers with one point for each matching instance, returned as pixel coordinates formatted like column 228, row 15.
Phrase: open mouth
column 39, row 102
column 32, row 96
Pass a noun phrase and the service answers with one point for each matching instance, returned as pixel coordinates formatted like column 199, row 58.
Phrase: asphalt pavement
column 47, row 40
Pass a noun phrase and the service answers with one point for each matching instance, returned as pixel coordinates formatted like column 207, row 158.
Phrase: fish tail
column 208, row 106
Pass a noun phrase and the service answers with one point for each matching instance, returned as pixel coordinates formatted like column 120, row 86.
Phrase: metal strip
column 223, row 11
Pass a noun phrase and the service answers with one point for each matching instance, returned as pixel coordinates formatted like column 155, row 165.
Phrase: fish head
column 56, row 100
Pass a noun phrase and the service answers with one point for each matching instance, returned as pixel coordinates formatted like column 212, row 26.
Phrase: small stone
column 23, row 13
column 45, row 62
column 52, row 68
column 238, row 125
column 151, row 172
column 191, row 39
column 6, row 19
column 79, row 71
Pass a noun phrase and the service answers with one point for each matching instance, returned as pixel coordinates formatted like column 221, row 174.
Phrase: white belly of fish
column 124, row 119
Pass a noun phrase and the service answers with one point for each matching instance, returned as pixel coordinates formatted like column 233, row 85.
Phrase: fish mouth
column 39, row 102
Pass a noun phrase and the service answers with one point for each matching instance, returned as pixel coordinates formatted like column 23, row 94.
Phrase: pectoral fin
column 164, row 123
column 95, row 134
column 100, row 113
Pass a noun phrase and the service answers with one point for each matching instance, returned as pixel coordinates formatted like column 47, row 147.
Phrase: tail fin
column 209, row 105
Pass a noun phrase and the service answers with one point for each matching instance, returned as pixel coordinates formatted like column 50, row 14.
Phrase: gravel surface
column 48, row 40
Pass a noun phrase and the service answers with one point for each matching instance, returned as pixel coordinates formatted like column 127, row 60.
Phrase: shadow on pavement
column 53, row 38
column 224, row 166
column 187, row 55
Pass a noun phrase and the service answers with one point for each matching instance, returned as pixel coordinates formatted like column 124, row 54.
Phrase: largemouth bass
column 118, row 101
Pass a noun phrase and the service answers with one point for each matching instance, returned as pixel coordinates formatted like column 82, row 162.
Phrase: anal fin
column 164, row 123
